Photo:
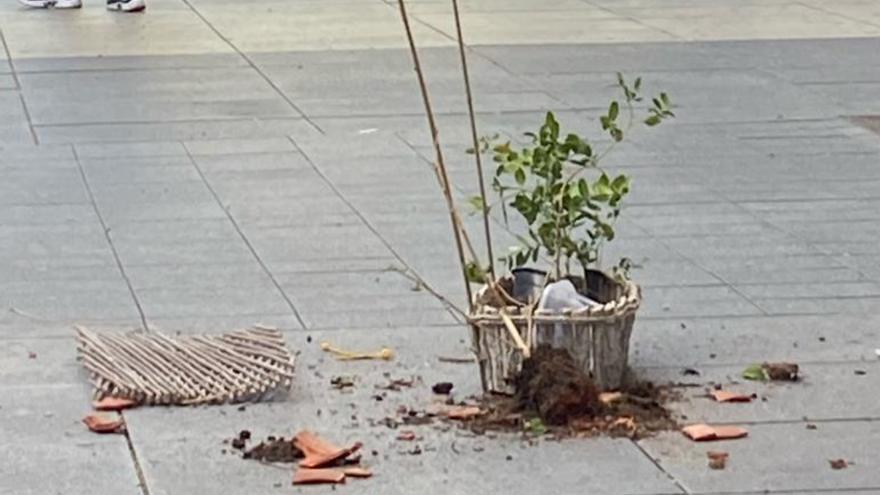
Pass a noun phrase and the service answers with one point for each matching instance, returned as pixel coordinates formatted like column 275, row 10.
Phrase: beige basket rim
column 624, row 305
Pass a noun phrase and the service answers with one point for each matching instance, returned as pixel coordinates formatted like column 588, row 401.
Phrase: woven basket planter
column 596, row 337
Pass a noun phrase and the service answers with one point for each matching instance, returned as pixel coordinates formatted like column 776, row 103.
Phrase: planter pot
column 597, row 338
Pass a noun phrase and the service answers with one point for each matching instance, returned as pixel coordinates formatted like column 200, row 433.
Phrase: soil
column 781, row 371
column 274, row 450
column 552, row 387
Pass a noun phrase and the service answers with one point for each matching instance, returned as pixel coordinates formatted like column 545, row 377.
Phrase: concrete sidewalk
column 211, row 164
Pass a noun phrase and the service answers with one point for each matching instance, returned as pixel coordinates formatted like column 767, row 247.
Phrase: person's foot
column 58, row 4
column 122, row 5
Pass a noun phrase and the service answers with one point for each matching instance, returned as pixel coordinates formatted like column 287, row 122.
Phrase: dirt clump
column 274, row 450
column 552, row 386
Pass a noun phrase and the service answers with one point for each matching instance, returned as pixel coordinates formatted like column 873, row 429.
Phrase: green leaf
column 520, row 176
column 638, row 84
column 665, row 99
column 652, row 120
column 755, row 372
column 477, row 203
column 613, row 110
column 474, row 273
column 620, row 182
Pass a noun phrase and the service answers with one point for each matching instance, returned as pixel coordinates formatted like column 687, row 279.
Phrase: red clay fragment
column 464, row 412
column 726, row 396
column 717, row 460
column 101, row 423
column 705, row 433
column 357, row 472
column 320, row 452
column 406, row 436
column 114, row 404
column 305, row 476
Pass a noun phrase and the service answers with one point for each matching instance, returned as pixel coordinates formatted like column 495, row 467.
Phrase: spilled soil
column 272, row 449
column 555, row 396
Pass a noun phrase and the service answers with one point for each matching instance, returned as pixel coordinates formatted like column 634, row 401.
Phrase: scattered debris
column 755, row 372
column 32, row 355
column 555, row 388
column 319, row 452
column 705, row 433
column 464, row 413
column 442, row 388
column 456, row 360
column 343, row 355
column 306, row 476
column 396, row 384
column 274, row 450
column 102, row 423
column 837, row 464
column 406, row 436
column 690, row 372
column 342, row 382
column 535, row 426
column 860, row 372
column 727, row 396
column 717, row 459
column 608, row 398
column 772, row 371
column 812, row 426
column 417, row 450
column 114, row 404
column 781, row 371
column 238, row 444
column 357, row 472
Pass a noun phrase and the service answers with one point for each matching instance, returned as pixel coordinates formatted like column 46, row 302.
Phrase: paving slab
column 775, row 457
column 165, row 438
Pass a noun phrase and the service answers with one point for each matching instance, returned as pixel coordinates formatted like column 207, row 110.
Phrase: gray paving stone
column 164, row 437
column 746, row 340
column 44, row 422
column 179, row 131
column 121, row 63
column 54, row 362
column 239, row 146
column 826, row 392
column 87, row 299
column 775, row 457
column 130, row 150
column 214, row 324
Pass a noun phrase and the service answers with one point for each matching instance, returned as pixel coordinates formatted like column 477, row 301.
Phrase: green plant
column 568, row 202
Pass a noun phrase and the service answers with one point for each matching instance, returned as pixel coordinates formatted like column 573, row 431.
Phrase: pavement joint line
column 719, row 365
column 17, row 81
column 656, row 462
column 369, row 225
column 244, row 238
column 798, row 238
column 804, row 491
column 839, row 15
column 254, row 66
column 106, row 231
column 635, row 20
column 139, row 472
column 169, row 121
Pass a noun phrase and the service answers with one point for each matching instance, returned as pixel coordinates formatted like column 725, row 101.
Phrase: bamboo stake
column 476, row 142
column 439, row 164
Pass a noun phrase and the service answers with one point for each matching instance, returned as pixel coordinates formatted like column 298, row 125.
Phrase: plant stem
column 476, row 140
column 439, row 165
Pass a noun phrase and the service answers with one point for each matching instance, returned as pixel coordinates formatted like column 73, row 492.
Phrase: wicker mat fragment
column 152, row 368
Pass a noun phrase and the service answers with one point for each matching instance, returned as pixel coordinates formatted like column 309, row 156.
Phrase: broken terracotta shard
column 464, row 413
column 717, row 460
column 319, row 452
column 705, row 433
column 306, row 476
column 726, row 396
column 102, row 423
column 114, row 404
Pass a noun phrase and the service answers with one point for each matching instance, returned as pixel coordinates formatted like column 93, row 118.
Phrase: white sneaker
column 123, row 5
